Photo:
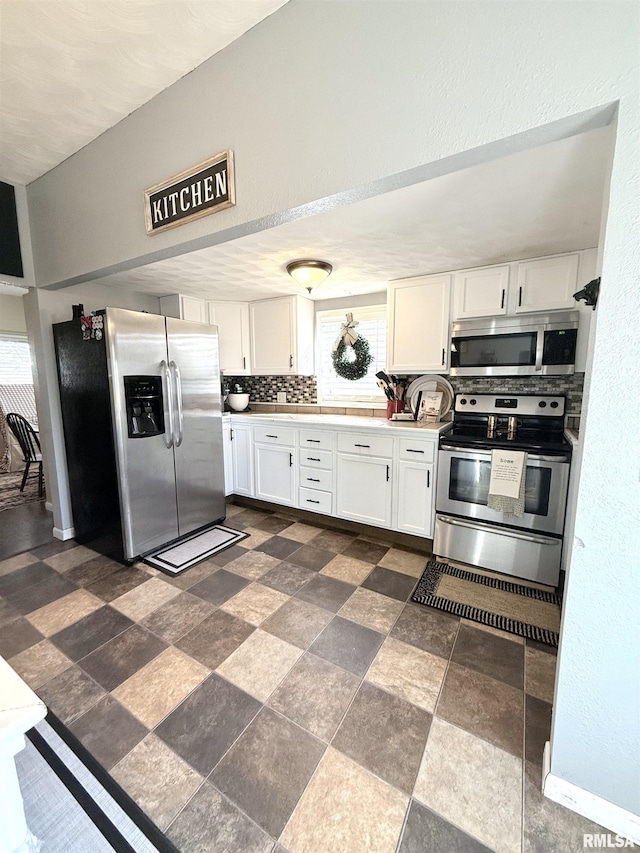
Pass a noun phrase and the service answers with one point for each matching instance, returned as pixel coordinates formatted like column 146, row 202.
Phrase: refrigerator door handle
column 178, row 401
column 168, row 406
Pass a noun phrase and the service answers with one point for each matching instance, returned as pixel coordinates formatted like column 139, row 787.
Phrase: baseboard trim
column 64, row 533
column 620, row 821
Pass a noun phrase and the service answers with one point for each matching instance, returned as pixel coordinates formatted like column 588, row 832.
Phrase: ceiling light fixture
column 309, row 273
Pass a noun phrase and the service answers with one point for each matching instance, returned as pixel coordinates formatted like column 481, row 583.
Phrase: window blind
column 372, row 325
column 15, row 361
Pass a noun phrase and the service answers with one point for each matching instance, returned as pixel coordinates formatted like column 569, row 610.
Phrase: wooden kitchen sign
column 196, row 192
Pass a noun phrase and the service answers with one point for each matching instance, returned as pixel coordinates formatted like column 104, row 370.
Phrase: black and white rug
column 179, row 556
column 518, row 608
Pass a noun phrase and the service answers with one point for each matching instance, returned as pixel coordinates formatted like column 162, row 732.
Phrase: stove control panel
column 516, row 404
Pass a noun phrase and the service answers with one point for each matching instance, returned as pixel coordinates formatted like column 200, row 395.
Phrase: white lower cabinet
column 370, row 477
column 227, row 457
column 242, row 459
column 364, row 489
column 414, row 498
column 275, row 473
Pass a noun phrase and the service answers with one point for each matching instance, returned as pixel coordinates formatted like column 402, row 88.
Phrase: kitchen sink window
column 372, row 325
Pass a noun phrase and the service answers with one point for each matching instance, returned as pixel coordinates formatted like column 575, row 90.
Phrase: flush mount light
column 309, row 273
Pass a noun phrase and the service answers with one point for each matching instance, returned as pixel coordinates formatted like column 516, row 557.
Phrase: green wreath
column 348, row 367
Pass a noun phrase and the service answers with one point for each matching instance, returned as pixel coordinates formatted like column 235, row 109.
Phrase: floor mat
column 180, row 556
column 519, row 609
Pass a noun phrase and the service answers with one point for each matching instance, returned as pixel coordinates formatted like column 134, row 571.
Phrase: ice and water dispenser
column 145, row 411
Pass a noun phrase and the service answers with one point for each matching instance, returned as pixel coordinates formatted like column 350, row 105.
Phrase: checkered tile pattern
column 285, row 696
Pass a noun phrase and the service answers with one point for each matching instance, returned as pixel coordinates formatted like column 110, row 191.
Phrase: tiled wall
column 303, row 389
column 570, row 386
column 263, row 389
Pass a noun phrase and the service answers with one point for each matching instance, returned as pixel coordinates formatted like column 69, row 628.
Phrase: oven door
column 463, row 489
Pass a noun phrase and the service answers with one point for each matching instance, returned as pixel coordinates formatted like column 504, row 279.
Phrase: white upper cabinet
column 232, row 320
column 480, row 292
column 184, row 308
column 418, row 312
column 545, row 284
column 282, row 336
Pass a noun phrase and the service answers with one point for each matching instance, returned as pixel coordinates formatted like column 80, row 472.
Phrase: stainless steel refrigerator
column 141, row 409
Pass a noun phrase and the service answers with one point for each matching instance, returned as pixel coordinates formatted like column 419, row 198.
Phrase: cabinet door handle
column 271, row 436
column 309, row 501
column 290, row 361
column 519, row 297
column 313, row 480
column 290, row 460
column 428, row 478
column 502, row 300
column 362, row 445
column 409, row 450
column 244, row 362
column 312, row 459
column 443, row 355
column 314, row 440
column 387, row 473
column 231, row 431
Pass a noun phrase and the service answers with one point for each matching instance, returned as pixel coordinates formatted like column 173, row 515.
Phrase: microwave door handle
column 168, row 405
column 178, row 401
column 539, row 349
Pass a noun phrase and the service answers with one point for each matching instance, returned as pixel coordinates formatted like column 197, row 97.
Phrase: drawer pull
column 362, row 445
column 314, row 440
column 313, row 459
column 271, row 436
column 409, row 450
column 309, row 501
column 313, row 480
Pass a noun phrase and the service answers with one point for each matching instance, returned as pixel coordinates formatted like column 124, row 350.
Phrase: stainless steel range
column 466, row 528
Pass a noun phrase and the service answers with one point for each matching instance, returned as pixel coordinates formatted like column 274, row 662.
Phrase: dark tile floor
column 286, row 691
column 23, row 528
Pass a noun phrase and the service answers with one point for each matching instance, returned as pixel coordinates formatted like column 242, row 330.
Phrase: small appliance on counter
column 238, row 400
column 467, row 529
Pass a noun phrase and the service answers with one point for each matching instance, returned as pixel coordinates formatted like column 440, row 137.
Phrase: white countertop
column 572, row 436
column 20, row 708
column 346, row 421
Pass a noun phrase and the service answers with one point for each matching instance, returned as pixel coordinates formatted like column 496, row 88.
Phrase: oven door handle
column 499, row 531
column 532, row 457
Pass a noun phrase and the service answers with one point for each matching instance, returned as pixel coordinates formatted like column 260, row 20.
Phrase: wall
column 12, row 314
column 405, row 93
column 42, row 309
column 413, row 82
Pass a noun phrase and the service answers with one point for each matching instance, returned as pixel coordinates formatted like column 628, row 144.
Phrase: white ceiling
column 71, row 69
column 538, row 202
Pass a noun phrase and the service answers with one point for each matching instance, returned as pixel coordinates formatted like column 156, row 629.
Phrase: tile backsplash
column 263, row 389
column 304, row 389
column 569, row 386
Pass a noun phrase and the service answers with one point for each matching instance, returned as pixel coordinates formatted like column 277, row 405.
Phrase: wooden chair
column 30, row 446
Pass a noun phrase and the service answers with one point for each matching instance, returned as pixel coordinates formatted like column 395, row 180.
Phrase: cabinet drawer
column 416, row 451
column 315, row 501
column 365, row 445
column 316, row 440
column 274, row 435
column 317, row 458
column 312, row 478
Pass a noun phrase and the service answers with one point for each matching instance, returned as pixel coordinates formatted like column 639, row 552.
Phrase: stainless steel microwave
column 527, row 345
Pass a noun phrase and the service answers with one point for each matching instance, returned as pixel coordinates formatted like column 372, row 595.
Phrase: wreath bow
column 348, row 336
